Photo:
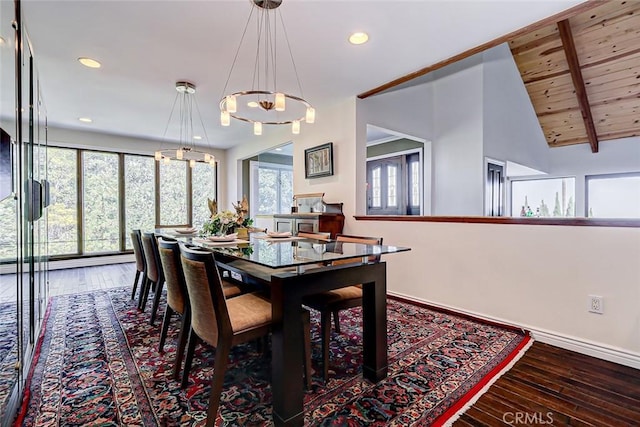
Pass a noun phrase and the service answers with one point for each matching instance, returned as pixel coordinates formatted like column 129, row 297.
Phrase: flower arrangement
column 227, row 222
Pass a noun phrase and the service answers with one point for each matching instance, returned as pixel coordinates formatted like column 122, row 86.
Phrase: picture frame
column 318, row 161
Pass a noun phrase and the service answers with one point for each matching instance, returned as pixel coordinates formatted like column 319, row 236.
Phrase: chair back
column 136, row 242
column 169, row 251
column 209, row 314
column 358, row 239
column 152, row 257
column 317, row 236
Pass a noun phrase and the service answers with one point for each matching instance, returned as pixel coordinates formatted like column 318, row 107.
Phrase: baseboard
column 579, row 345
column 77, row 262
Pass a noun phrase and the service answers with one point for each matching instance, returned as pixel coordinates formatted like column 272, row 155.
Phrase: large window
column 173, row 193
column 271, row 188
column 549, row 197
column 203, row 187
column 613, row 196
column 62, row 212
column 139, row 190
column 100, row 202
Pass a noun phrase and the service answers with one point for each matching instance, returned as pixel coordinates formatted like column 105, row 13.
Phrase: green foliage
column 225, row 222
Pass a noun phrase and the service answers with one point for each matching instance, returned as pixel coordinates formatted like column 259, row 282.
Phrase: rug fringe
column 489, row 383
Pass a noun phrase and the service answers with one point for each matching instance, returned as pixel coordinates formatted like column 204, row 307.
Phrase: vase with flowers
column 227, row 222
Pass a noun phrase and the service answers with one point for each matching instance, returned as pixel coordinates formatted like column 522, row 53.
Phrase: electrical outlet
column 596, row 304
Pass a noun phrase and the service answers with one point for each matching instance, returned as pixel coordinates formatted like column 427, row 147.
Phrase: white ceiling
column 146, row 46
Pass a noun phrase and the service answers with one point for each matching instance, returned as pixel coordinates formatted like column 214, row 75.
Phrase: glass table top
column 291, row 252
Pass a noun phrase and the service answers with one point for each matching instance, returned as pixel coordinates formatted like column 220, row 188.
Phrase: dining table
column 294, row 267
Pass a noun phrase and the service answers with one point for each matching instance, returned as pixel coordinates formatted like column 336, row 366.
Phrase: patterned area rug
column 100, row 365
column 8, row 352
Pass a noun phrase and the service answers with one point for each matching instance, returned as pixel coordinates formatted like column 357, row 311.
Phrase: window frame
column 589, row 178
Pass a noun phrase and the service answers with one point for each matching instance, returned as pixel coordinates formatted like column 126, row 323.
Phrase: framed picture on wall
column 318, row 161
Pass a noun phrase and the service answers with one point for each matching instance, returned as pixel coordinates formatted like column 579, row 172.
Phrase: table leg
column 374, row 325
column 287, row 357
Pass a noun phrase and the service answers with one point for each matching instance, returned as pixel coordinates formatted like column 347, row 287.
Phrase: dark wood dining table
column 294, row 268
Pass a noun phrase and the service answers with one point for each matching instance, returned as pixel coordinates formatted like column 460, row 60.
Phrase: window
column 394, row 185
column 613, row 196
column 493, row 189
column 173, row 193
column 271, row 188
column 549, row 197
column 139, row 190
column 100, row 202
column 62, row 213
column 203, row 178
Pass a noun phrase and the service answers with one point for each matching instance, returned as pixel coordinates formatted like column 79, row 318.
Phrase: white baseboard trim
column 579, row 345
column 77, row 262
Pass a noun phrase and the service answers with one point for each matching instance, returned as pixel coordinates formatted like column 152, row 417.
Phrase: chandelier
column 185, row 98
column 264, row 103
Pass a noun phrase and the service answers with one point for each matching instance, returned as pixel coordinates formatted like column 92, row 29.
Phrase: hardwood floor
column 553, row 386
column 547, row 386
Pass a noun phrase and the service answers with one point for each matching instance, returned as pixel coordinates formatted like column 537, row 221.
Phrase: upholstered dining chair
column 317, row 236
column 155, row 275
column 141, row 268
column 218, row 321
column 332, row 302
column 177, row 297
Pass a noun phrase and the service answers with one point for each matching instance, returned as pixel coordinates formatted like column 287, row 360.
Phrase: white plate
column 278, row 235
column 185, row 230
column 227, row 238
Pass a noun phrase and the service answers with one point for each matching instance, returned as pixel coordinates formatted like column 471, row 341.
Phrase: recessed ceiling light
column 197, row 137
column 358, row 38
column 2, row 41
column 252, row 104
column 85, row 119
column 88, row 62
column 278, row 149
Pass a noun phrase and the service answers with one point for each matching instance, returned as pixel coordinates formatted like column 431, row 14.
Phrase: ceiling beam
column 578, row 82
column 582, row 7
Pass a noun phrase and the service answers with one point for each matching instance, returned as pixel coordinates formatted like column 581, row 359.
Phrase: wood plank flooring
column 553, row 386
column 547, row 386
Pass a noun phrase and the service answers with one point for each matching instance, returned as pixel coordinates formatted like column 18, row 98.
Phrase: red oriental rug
column 98, row 364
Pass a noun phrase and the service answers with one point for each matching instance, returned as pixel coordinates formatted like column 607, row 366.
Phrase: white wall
column 458, row 184
column 511, row 129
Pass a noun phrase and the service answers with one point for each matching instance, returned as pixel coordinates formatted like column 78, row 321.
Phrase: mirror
column 481, row 139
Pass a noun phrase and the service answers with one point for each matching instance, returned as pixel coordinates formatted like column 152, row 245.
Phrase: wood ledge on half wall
column 589, row 222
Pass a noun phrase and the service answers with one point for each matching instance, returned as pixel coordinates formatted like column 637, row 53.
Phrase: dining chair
column 332, row 302
column 218, row 321
column 155, row 275
column 317, row 236
column 141, row 268
column 177, row 297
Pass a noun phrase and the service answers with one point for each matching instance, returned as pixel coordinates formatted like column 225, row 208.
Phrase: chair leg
column 336, row 320
column 135, row 284
column 144, row 293
column 219, row 368
column 156, row 302
column 306, row 330
column 168, row 312
column 325, row 327
column 191, row 347
column 182, row 342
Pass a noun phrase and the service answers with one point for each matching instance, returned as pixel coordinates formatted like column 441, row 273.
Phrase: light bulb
column 231, row 104
column 179, row 153
column 295, row 127
column 158, row 156
column 207, row 157
column 311, row 115
column 225, row 119
column 279, row 101
column 257, row 128
column 212, row 161
column 167, row 160
column 192, row 163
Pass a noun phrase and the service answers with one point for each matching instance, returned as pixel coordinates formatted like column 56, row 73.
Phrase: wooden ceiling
column 583, row 74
